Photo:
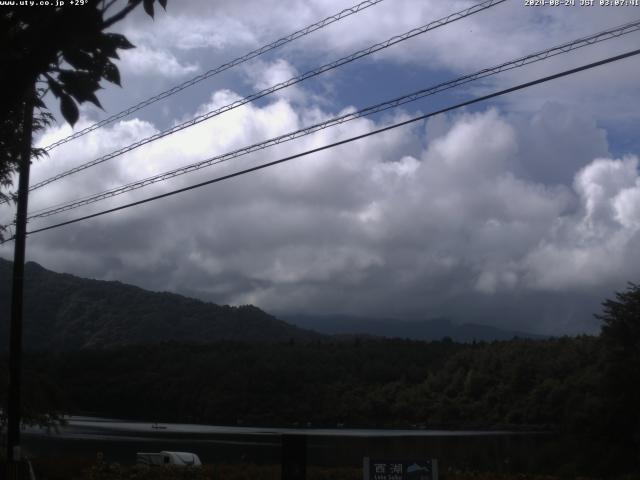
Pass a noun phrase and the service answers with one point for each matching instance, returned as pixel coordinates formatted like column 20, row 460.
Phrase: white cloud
column 627, row 206
column 207, row 34
column 217, row 33
column 263, row 75
column 521, row 209
column 599, row 184
column 144, row 60
column 374, row 227
column 595, row 245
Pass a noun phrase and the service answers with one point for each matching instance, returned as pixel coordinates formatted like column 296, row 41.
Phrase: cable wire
column 221, row 68
column 517, row 63
column 292, row 81
column 348, row 140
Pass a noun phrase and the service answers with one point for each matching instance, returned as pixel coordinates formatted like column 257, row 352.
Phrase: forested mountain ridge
column 425, row 330
column 65, row 312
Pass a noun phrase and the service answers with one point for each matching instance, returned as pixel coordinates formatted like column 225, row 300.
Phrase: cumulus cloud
column 219, row 33
column 263, row 75
column 517, row 215
column 145, row 60
column 456, row 227
column 210, row 34
column 595, row 245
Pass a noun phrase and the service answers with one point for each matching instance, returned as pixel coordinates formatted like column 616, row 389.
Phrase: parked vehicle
column 184, row 459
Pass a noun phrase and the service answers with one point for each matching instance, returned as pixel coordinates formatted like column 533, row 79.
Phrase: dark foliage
column 11, row 133
column 621, row 341
column 550, row 384
column 68, row 47
column 65, row 50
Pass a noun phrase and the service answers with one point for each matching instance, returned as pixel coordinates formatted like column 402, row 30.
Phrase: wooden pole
column 294, row 457
column 15, row 336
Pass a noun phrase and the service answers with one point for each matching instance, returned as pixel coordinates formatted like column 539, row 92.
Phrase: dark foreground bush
column 217, row 472
column 272, row 472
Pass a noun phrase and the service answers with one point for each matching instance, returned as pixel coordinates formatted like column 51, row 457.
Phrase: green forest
column 376, row 383
column 563, row 385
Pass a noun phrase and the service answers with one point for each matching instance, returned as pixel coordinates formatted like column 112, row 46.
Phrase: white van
column 184, row 459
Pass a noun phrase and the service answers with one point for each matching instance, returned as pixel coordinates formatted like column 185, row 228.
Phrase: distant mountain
column 65, row 312
column 432, row 329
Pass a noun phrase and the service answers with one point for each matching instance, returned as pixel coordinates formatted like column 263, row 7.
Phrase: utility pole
column 14, row 454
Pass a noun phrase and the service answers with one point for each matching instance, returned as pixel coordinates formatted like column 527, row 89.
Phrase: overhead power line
column 219, row 69
column 348, row 140
column 519, row 62
column 292, row 81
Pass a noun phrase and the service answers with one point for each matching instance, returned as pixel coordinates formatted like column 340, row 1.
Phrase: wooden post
column 294, row 457
column 15, row 347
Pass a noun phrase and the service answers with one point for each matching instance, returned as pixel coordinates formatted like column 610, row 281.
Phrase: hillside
column 65, row 312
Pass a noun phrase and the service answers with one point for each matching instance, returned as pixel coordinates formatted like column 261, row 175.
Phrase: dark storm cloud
column 453, row 231
column 514, row 216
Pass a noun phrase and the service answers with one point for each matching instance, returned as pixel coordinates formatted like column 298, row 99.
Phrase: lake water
column 120, row 440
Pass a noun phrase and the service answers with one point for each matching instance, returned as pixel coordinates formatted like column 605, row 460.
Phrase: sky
column 522, row 212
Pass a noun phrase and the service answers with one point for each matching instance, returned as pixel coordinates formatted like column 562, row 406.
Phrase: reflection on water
column 102, row 426
column 473, row 450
